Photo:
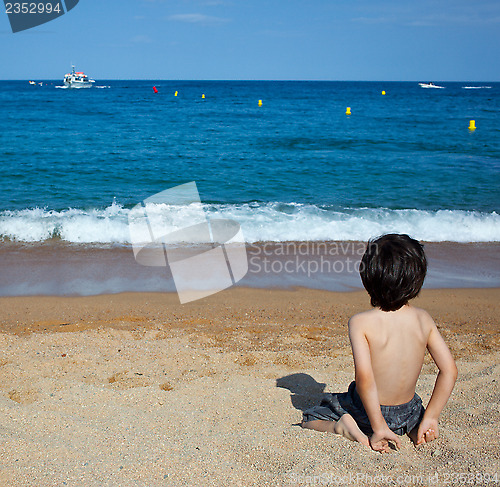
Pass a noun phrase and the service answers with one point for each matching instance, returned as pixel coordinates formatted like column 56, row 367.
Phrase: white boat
column 77, row 80
column 430, row 85
column 32, row 82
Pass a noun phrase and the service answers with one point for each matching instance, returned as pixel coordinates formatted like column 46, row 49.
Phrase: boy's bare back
column 394, row 343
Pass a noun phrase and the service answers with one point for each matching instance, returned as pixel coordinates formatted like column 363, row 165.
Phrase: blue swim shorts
column 401, row 418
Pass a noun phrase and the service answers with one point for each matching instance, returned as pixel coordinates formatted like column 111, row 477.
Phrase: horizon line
column 263, row 79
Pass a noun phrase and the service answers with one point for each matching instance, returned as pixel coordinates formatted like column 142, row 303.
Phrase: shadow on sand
column 305, row 391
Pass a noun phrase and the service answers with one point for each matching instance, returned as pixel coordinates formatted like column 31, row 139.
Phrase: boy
column 388, row 345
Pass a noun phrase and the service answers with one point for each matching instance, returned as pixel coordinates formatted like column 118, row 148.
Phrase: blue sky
column 262, row 39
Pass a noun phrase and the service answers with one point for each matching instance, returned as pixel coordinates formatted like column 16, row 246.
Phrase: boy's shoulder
column 361, row 321
column 372, row 316
column 364, row 316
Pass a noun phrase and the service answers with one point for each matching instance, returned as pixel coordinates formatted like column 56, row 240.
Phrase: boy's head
column 393, row 270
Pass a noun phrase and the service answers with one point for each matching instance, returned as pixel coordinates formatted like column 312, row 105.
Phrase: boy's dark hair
column 393, row 270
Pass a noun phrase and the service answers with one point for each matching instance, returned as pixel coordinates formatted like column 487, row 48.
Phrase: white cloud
column 215, row 3
column 141, row 39
column 374, row 20
column 197, row 19
column 430, row 14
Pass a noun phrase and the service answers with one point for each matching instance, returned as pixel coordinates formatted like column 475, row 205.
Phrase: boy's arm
column 367, row 388
column 445, row 381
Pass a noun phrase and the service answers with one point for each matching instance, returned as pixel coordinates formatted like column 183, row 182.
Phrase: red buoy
column 154, row 89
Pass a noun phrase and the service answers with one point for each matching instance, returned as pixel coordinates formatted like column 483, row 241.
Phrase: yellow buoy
column 383, row 92
column 260, row 103
column 348, row 111
column 472, row 125
column 175, row 94
column 203, row 96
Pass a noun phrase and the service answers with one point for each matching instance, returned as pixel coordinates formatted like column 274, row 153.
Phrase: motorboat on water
column 77, row 79
column 430, row 85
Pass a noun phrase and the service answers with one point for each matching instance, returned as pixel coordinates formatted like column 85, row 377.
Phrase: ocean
column 296, row 169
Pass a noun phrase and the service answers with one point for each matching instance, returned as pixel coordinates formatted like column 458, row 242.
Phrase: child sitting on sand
column 388, row 345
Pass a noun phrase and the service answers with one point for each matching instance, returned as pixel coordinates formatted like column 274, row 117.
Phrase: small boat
column 32, row 82
column 430, row 85
column 77, row 80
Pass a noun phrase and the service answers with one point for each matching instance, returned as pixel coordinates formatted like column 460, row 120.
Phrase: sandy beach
column 138, row 390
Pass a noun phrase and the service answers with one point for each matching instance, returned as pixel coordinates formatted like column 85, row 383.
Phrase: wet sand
column 136, row 389
column 60, row 269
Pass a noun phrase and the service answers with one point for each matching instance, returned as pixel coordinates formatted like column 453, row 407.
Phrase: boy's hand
column 379, row 441
column 427, row 431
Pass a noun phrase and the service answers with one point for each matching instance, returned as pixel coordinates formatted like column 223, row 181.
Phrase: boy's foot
column 347, row 427
column 319, row 425
column 428, row 436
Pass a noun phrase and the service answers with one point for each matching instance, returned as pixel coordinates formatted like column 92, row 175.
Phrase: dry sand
column 137, row 390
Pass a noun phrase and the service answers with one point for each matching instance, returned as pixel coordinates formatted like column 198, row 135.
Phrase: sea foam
column 260, row 222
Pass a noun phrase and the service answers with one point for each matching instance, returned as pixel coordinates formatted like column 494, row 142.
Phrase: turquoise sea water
column 75, row 161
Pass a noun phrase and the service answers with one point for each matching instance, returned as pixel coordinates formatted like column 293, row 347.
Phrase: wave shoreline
column 260, row 222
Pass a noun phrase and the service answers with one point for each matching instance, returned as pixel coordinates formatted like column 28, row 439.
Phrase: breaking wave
column 273, row 222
